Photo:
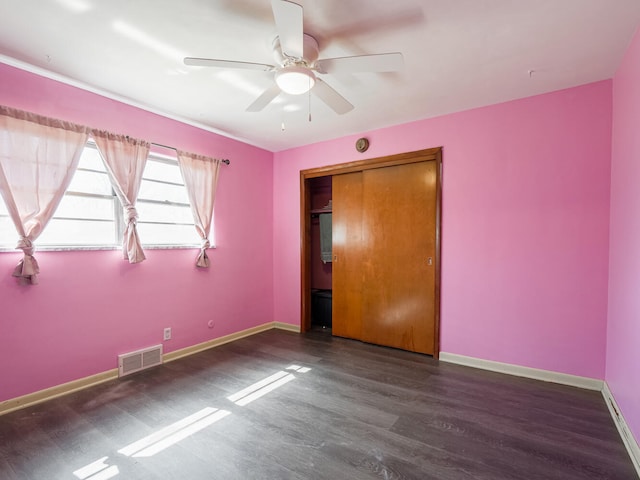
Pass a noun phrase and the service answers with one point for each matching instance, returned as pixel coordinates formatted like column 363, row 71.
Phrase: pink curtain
column 38, row 157
column 200, row 176
column 125, row 159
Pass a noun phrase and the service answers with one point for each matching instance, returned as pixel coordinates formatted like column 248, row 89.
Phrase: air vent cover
column 139, row 360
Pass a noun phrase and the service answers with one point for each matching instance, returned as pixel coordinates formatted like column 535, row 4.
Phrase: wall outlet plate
column 167, row 333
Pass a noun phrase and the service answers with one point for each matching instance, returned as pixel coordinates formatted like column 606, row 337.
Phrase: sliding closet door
column 399, row 250
column 347, row 255
column 386, row 266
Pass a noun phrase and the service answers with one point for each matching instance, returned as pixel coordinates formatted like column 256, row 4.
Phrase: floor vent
column 139, row 360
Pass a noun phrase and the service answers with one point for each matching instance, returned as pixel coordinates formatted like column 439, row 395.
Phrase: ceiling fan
column 297, row 63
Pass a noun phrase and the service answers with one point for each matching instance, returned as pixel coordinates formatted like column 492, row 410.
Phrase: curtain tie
column 130, row 214
column 25, row 245
column 28, row 266
column 203, row 260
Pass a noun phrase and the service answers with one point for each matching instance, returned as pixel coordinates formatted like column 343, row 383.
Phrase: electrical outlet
column 167, row 334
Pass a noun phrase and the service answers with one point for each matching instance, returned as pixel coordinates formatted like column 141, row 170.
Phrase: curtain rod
column 226, row 161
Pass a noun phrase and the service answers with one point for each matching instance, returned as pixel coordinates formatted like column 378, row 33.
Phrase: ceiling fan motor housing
column 310, row 51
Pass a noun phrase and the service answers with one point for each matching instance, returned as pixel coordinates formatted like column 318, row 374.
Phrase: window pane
column 153, row 234
column 162, row 233
column 167, row 172
column 152, row 212
column 163, row 192
column 91, row 159
column 73, row 206
column 77, row 233
column 8, row 234
column 90, row 182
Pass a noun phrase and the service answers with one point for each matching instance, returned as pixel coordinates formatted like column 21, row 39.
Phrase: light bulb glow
column 295, row 80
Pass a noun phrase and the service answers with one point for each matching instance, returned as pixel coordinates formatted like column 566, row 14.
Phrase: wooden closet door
column 347, row 255
column 398, row 240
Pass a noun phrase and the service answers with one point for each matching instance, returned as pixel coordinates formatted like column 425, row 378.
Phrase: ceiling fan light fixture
column 295, row 79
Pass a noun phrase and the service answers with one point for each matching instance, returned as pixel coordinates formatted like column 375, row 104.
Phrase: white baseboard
column 184, row 352
column 629, row 440
column 527, row 372
column 200, row 347
column 59, row 390
column 286, row 326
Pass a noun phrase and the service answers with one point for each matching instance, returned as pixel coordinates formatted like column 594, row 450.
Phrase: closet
column 386, row 261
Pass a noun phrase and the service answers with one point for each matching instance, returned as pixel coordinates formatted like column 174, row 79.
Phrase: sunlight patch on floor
column 98, row 470
column 269, row 384
column 174, row 433
column 182, row 429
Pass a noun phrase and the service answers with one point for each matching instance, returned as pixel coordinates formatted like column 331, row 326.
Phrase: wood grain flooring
column 360, row 412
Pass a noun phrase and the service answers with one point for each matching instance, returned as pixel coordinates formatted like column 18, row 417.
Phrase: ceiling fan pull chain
column 309, row 100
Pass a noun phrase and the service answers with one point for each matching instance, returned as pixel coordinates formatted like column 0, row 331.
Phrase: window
column 164, row 213
column 90, row 215
column 8, row 235
column 87, row 213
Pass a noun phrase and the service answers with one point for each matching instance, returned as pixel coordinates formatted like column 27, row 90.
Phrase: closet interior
column 321, row 253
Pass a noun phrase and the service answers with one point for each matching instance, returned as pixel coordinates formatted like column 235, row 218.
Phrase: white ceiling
column 458, row 54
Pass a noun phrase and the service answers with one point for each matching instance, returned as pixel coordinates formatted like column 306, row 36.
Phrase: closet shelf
column 318, row 211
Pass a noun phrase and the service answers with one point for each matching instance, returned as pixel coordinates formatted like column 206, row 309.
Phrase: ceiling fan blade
column 384, row 62
column 333, row 99
column 288, row 17
column 212, row 62
column 265, row 99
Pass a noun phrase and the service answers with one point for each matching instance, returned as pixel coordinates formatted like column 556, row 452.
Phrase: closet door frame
column 431, row 154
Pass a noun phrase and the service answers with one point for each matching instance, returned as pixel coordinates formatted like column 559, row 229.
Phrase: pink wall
column 623, row 335
column 525, row 225
column 91, row 306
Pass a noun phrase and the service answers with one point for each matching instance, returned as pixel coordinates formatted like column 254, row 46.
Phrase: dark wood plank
column 361, row 412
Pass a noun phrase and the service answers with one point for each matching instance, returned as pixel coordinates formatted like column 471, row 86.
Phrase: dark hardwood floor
column 360, row 412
